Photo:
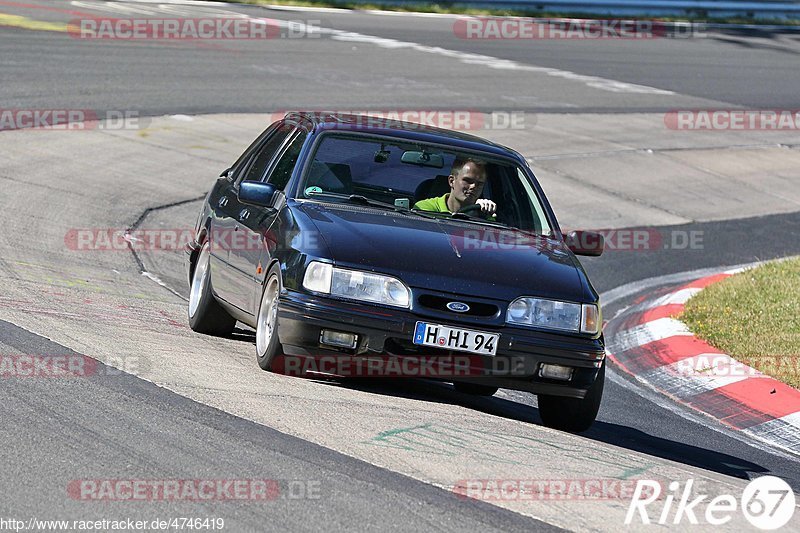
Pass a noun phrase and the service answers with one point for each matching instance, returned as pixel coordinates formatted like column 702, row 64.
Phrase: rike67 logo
column 767, row 503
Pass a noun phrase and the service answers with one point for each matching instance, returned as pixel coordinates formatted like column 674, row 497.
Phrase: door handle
column 244, row 215
column 223, row 201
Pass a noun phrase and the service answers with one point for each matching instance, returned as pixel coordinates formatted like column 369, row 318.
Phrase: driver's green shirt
column 437, row 205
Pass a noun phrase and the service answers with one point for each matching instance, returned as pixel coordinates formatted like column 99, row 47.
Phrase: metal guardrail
column 725, row 8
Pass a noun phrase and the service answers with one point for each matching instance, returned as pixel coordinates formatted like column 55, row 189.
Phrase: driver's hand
column 488, row 207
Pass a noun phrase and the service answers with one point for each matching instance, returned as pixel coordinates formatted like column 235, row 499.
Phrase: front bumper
column 388, row 332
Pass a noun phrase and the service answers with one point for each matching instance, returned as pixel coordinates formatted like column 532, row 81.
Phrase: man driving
column 467, row 179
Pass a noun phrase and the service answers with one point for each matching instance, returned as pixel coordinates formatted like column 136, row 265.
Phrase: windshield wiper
column 363, row 200
column 478, row 220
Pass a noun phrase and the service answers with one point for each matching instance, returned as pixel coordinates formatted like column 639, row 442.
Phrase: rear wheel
column 475, row 389
column 206, row 315
column 573, row 414
column 268, row 347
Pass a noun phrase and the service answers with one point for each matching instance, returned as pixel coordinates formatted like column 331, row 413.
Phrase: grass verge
column 445, row 7
column 754, row 317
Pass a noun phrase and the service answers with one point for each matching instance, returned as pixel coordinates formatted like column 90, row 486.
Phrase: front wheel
column 268, row 347
column 573, row 414
column 206, row 315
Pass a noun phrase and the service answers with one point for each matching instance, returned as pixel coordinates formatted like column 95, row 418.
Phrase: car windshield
column 376, row 171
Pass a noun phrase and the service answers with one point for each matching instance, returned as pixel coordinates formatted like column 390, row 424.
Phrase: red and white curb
column 656, row 348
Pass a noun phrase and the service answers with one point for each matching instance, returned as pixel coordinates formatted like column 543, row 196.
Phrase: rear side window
column 283, row 169
column 259, row 162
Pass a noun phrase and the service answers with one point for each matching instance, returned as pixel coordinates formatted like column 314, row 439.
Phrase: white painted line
column 495, row 62
column 595, row 82
column 419, row 14
column 634, row 287
column 157, row 280
column 737, row 270
column 714, row 365
column 685, row 386
column 648, row 332
column 784, row 431
column 678, row 297
column 666, row 387
column 650, row 392
column 310, row 9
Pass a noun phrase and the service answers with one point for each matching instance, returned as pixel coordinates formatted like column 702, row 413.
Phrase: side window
column 283, row 169
column 260, row 160
column 241, row 163
column 537, row 210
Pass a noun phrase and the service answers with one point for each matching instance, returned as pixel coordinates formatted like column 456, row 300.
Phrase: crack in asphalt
column 142, row 269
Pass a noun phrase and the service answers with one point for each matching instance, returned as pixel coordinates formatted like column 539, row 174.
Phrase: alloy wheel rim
column 267, row 317
column 198, row 281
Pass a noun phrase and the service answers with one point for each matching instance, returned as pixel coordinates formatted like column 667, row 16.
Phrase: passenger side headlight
column 554, row 314
column 356, row 285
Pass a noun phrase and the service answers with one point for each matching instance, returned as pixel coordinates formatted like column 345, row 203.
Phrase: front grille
column 477, row 309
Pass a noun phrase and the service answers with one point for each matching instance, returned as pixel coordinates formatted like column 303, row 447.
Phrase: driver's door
column 229, row 281
column 257, row 224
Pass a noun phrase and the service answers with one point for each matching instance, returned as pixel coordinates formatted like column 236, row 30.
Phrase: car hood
column 448, row 255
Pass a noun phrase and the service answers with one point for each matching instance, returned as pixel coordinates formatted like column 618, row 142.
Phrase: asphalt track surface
column 119, row 426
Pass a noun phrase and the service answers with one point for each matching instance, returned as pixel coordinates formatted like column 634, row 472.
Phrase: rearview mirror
column 423, row 159
column 257, row 193
column 588, row 243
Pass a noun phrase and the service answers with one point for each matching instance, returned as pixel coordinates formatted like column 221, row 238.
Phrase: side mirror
column 583, row 242
column 257, row 193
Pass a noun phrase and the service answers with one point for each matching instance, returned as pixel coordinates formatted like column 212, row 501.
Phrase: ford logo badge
column 458, row 307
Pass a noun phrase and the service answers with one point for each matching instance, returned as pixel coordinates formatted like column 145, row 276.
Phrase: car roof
column 322, row 121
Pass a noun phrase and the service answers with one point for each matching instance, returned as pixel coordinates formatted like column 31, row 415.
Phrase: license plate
column 450, row 338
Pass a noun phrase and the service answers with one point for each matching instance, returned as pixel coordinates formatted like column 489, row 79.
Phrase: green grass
column 445, row 7
column 754, row 317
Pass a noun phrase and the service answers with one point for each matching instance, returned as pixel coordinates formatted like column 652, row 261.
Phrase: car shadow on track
column 614, row 434
column 243, row 334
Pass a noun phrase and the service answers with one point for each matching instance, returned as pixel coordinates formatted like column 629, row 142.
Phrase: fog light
column 338, row 338
column 561, row 373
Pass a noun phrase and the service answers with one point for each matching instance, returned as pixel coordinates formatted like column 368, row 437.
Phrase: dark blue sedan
column 342, row 239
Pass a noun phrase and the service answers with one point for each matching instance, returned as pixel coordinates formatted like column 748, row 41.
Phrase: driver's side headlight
column 356, row 285
column 554, row 314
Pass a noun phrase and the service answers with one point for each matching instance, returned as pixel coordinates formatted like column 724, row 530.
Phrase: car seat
column 432, row 188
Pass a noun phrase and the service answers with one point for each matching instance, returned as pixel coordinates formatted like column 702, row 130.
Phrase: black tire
column 268, row 349
column 475, row 389
column 573, row 414
column 206, row 315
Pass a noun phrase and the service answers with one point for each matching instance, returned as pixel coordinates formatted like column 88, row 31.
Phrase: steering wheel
column 468, row 209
